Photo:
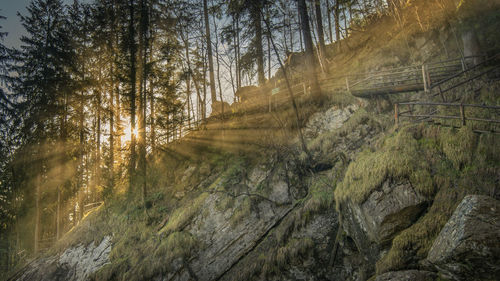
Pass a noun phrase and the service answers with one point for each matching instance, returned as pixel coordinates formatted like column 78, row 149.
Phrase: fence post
column 462, row 114
column 396, row 113
column 424, row 79
column 429, row 81
column 347, row 84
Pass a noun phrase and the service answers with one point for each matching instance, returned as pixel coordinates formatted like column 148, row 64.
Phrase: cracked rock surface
column 468, row 247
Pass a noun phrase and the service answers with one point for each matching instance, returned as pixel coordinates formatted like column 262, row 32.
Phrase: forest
column 100, row 92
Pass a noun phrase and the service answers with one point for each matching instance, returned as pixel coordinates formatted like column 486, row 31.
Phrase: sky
column 9, row 9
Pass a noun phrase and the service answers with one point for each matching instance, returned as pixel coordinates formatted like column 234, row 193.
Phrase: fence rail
column 419, row 117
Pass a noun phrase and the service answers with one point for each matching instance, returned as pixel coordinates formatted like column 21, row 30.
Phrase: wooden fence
column 462, row 116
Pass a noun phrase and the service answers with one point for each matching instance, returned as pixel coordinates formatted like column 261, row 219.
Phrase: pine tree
column 44, row 68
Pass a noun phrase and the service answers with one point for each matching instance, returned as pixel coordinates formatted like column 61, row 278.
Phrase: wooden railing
column 407, row 79
column 462, row 116
column 426, row 77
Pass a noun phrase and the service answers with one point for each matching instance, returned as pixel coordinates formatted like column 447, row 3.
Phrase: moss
column 176, row 245
column 293, row 251
column 398, row 158
column 455, row 173
column 320, row 198
column 225, row 203
column 235, row 172
column 413, row 244
column 243, row 210
column 182, row 216
column 458, row 146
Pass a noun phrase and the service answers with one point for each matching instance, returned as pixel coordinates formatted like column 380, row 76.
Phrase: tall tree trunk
column 345, row 23
column 257, row 22
column 329, row 14
column 97, row 174
column 319, row 26
column 81, row 152
column 143, row 47
column 132, row 94
column 290, row 92
column 112, row 128
column 38, row 183
column 218, row 62
column 310, row 60
column 209, row 50
column 301, row 35
column 151, row 94
column 238, row 54
column 204, row 100
column 337, row 21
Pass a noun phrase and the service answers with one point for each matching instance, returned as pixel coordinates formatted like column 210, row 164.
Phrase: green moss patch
column 398, row 157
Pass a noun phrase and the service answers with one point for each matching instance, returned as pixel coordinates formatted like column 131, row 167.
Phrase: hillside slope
column 240, row 200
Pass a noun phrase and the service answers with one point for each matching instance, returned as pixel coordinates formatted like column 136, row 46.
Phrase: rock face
column 387, row 211
column 468, row 247
column 228, row 242
column 407, row 275
column 330, row 120
column 73, row 264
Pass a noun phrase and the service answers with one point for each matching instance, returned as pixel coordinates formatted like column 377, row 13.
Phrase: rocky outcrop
column 373, row 223
column 407, row 275
column 467, row 247
column 77, row 263
column 329, row 120
column 226, row 242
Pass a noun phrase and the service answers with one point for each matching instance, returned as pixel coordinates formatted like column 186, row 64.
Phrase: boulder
column 407, row 275
column 329, row 120
column 388, row 210
column 468, row 248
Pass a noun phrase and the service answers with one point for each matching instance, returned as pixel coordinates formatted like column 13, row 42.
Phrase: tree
column 131, row 46
column 209, row 51
column 309, row 49
column 321, row 36
column 45, row 61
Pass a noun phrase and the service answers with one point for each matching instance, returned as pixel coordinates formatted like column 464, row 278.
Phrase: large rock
column 387, row 211
column 373, row 223
column 75, row 264
column 330, row 120
column 227, row 242
column 407, row 275
column 468, row 246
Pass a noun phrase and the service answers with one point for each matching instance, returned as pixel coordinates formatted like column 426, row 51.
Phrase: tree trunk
column 97, row 175
column 319, row 26
column 143, row 47
column 310, row 60
column 132, row 80
column 209, row 50
column 38, row 182
column 472, row 48
column 329, row 14
column 257, row 22
column 238, row 55
column 112, row 128
column 218, row 62
column 337, row 21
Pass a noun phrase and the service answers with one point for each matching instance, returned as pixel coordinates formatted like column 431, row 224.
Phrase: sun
column 127, row 133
